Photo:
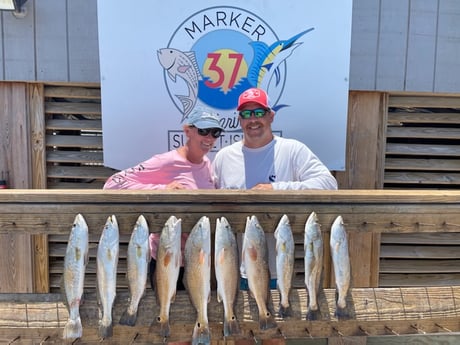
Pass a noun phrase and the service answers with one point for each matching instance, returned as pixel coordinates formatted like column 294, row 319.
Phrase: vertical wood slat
column 16, row 271
column 38, row 152
column 364, row 170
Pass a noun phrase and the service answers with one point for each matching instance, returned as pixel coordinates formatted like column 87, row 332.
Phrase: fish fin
column 183, row 69
column 231, row 327
column 128, row 319
column 73, row 329
column 192, row 57
column 165, row 330
column 105, row 331
column 341, row 313
column 267, row 321
column 313, row 315
column 167, row 259
column 201, row 334
column 62, row 293
column 285, row 311
column 202, row 257
column 172, row 76
column 221, row 256
column 252, row 251
column 187, row 104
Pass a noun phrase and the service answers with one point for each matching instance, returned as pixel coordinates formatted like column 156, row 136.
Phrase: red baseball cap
column 255, row 95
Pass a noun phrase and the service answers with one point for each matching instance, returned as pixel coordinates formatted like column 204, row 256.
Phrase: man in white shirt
column 262, row 160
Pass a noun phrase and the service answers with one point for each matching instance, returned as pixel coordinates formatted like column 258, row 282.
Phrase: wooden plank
column 424, row 132
column 377, row 312
column 76, row 185
column 422, row 149
column 419, row 178
column 51, row 55
column 81, row 157
column 421, row 45
column 85, row 141
column 38, row 242
column 366, row 130
column 73, row 108
column 424, row 279
column 79, row 172
column 420, row 163
column 37, row 134
column 422, row 238
column 423, row 101
column 398, row 118
column 84, row 125
column 419, row 266
column 422, row 252
column 17, row 270
column 72, row 92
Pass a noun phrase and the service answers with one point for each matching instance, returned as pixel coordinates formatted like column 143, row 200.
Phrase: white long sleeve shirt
column 285, row 163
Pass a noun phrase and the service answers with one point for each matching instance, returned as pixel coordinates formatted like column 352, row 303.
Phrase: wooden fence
column 51, row 138
column 375, row 311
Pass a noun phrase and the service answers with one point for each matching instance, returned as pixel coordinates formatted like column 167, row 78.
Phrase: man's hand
column 265, row 186
column 175, row 185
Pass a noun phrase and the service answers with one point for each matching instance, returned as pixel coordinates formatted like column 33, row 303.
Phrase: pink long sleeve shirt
column 159, row 171
column 162, row 169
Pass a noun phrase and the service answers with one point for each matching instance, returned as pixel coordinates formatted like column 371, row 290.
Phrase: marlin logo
column 268, row 58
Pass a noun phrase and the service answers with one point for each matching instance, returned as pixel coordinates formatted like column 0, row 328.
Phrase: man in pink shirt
column 186, row 167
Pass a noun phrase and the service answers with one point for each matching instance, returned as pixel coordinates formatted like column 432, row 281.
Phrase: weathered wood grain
column 372, row 312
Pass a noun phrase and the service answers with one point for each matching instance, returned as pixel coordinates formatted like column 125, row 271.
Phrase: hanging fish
column 75, row 260
column 341, row 262
column 284, row 263
column 106, row 272
column 313, row 248
column 138, row 265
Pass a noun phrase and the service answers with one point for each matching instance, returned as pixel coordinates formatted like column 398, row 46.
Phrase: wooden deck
column 372, row 312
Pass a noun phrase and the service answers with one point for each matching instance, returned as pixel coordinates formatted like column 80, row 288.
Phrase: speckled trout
column 255, row 259
column 284, row 263
column 197, row 277
column 106, row 271
column 313, row 249
column 227, row 275
column 341, row 262
column 167, row 270
column 75, row 260
column 138, row 258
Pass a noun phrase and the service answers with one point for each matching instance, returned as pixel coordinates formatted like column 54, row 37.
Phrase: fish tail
column 128, row 319
column 201, row 334
column 73, row 329
column 105, row 331
column 187, row 104
column 267, row 321
column 313, row 315
column 164, row 328
column 285, row 311
column 231, row 327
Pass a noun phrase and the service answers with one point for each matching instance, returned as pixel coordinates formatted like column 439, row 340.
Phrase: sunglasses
column 215, row 132
column 258, row 113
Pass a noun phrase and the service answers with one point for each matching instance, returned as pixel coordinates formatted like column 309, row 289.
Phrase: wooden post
column 16, row 250
column 367, row 113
